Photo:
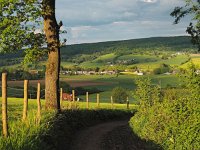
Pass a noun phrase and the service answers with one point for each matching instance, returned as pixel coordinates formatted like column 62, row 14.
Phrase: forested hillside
column 168, row 43
column 171, row 43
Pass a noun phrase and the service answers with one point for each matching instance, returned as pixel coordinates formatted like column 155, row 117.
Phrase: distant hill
column 87, row 54
column 177, row 43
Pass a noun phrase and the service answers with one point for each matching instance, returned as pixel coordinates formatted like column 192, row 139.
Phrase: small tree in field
column 119, row 95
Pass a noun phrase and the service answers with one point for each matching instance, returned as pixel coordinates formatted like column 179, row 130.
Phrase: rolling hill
column 127, row 52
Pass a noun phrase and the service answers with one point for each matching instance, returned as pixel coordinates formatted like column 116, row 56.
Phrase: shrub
column 173, row 122
column 162, row 69
column 119, row 95
column 146, row 94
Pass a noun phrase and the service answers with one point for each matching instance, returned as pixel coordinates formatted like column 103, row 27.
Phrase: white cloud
column 101, row 20
column 149, row 1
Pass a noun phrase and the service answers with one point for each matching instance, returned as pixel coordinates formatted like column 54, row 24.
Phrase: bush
column 162, row 69
column 173, row 122
column 119, row 95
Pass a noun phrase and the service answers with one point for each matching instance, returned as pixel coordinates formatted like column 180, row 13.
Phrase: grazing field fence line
column 25, row 93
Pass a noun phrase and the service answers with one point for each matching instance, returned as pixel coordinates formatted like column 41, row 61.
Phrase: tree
column 51, row 29
column 119, row 95
column 191, row 8
column 18, row 21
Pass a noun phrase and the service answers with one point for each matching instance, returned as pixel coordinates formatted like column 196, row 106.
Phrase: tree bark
column 51, row 30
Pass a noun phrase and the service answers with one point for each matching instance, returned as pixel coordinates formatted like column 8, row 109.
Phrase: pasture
column 194, row 58
column 102, row 83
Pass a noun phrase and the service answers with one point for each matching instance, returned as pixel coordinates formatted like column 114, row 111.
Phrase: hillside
column 173, row 43
column 125, row 54
column 146, row 54
column 178, row 43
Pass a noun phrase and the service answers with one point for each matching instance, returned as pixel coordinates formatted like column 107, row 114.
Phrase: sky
column 88, row 21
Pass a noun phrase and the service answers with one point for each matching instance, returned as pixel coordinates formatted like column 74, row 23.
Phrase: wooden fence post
column 127, row 102
column 73, row 95
column 25, row 100
column 61, row 97
column 98, row 104
column 4, row 105
column 111, row 99
column 38, row 102
column 87, row 100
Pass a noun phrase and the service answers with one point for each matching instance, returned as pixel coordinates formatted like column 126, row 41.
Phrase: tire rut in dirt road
column 114, row 135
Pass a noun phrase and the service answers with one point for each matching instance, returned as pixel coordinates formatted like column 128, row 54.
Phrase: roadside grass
column 23, row 134
column 32, row 135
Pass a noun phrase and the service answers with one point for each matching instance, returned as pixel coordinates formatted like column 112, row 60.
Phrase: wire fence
column 18, row 92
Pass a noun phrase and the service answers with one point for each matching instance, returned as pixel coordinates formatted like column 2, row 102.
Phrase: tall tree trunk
column 51, row 30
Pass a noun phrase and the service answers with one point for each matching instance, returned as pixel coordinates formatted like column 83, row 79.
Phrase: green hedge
column 172, row 124
column 173, row 120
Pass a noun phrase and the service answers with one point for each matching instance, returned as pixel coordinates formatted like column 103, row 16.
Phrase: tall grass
column 31, row 135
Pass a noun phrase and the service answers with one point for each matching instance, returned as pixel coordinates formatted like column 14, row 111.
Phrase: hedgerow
column 174, row 122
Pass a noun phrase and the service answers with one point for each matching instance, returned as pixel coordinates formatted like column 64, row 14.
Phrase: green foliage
column 146, row 94
column 191, row 8
column 22, row 74
column 66, row 87
column 192, row 80
column 18, row 21
column 174, row 120
column 119, row 95
column 162, row 69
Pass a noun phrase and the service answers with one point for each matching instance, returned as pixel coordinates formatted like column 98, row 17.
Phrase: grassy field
column 67, row 64
column 143, row 61
column 22, row 133
column 105, row 58
column 27, row 134
column 195, row 59
column 103, row 83
column 151, row 65
column 125, row 81
column 15, row 108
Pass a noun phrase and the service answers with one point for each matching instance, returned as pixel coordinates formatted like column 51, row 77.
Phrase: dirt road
column 114, row 135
